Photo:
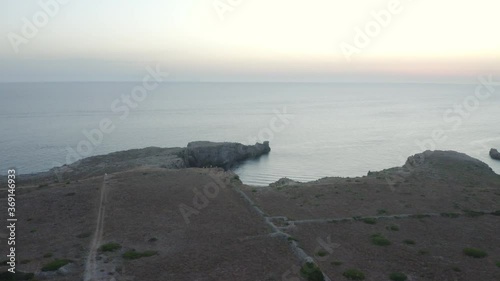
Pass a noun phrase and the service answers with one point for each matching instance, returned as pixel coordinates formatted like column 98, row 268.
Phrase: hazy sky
column 252, row 40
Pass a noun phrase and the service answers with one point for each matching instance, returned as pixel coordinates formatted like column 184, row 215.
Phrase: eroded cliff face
column 494, row 154
column 221, row 154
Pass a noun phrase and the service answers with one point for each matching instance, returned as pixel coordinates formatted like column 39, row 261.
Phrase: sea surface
column 315, row 130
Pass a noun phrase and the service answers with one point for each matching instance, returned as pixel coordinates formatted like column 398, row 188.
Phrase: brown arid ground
column 434, row 210
column 224, row 240
column 203, row 224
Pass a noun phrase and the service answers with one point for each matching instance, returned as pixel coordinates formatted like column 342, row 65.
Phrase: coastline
column 203, row 221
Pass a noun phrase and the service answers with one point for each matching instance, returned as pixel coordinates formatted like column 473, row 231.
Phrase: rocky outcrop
column 494, row 154
column 446, row 165
column 221, row 154
column 196, row 154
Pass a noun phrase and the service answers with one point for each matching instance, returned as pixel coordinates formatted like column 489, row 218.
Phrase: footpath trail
column 90, row 273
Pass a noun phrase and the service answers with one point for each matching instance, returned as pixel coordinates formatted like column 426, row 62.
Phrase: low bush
column 354, row 274
column 398, row 276
column 393, row 227
column 370, row 220
column 475, row 253
column 133, row 255
column 322, row 253
column 110, row 247
column 55, row 265
column 379, row 240
column 311, row 272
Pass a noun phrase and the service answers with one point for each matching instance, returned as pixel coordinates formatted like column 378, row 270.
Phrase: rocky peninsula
column 181, row 214
column 199, row 154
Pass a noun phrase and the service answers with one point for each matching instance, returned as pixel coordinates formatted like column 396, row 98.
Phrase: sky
column 250, row 40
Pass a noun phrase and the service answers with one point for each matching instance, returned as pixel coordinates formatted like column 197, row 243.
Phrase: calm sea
column 315, row 130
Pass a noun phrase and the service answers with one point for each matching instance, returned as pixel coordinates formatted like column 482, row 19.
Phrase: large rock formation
column 221, row 154
column 197, row 154
column 494, row 154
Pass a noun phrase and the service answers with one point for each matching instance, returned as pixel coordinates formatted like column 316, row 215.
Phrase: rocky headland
column 199, row 154
column 225, row 155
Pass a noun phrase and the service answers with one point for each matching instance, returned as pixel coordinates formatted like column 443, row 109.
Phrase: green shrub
column 55, row 265
column 398, row 276
column 420, row 216
column 110, row 247
column 409, row 242
column 393, row 227
column 498, row 264
column 370, row 220
column 473, row 214
column 450, row 215
column 311, row 272
column 475, row 253
column 354, row 274
column 84, row 235
column 381, row 211
column 336, row 263
column 321, row 253
column 48, row 255
column 133, row 255
column 379, row 240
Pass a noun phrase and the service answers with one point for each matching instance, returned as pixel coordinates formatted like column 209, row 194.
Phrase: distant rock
column 494, row 154
column 221, row 154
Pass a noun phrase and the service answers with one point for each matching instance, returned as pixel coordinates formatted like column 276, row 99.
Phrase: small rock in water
column 494, row 154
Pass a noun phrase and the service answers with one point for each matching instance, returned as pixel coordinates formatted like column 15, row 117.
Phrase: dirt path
column 91, row 265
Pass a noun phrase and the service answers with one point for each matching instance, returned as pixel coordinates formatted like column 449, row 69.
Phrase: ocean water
column 315, row 130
